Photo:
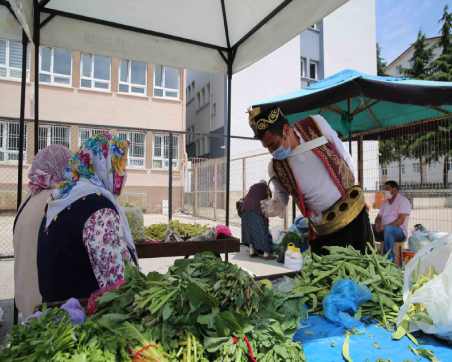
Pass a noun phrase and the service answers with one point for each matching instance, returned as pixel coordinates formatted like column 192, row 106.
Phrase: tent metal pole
column 115, row 25
column 228, row 138
column 21, row 138
column 170, row 178
column 349, row 119
column 22, row 118
column 360, row 162
column 36, row 36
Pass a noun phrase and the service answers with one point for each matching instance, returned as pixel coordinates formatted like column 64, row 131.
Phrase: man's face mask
column 280, row 152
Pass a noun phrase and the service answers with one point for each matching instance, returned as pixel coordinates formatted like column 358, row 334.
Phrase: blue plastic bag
column 343, row 301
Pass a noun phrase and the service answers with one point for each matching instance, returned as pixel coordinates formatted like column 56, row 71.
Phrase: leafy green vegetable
column 203, row 309
column 426, row 353
column 346, row 348
column 157, row 231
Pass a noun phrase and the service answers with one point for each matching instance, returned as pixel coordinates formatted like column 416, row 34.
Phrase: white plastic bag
column 293, row 259
column 435, row 295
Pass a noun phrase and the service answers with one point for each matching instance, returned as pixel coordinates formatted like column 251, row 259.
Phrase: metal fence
column 418, row 158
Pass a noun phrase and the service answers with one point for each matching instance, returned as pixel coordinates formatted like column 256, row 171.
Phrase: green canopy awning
column 353, row 102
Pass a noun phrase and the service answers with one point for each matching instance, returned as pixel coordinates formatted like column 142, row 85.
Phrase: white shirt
column 310, row 173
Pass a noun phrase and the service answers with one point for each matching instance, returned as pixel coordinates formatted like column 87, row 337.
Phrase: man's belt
column 342, row 213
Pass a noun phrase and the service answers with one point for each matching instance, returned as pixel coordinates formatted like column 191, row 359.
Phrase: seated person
column 391, row 224
column 47, row 170
column 84, row 240
column 255, row 232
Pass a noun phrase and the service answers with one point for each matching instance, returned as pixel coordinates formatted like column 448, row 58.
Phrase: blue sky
column 398, row 22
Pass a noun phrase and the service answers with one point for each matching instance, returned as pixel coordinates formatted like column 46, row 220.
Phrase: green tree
column 441, row 69
column 393, row 150
column 381, row 64
column 420, row 61
column 446, row 21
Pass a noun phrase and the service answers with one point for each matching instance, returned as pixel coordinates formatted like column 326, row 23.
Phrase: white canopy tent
column 207, row 35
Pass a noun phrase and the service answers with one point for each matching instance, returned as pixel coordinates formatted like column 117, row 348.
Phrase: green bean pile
column 383, row 278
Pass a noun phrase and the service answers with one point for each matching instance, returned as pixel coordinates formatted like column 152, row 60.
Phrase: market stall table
column 187, row 248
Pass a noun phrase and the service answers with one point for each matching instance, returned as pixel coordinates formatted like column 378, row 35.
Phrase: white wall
column 349, row 42
column 350, row 38
column 276, row 74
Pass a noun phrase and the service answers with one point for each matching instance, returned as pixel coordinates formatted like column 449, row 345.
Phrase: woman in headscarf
column 255, row 227
column 47, row 170
column 84, row 240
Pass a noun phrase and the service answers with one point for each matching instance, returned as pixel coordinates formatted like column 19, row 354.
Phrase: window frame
column 315, row 27
column 303, row 66
column 131, row 140
column 4, row 145
column 8, row 68
column 51, row 73
column 384, row 171
column 316, row 64
column 162, row 158
column 92, row 78
column 91, row 130
column 129, row 77
column 164, row 88
column 49, row 139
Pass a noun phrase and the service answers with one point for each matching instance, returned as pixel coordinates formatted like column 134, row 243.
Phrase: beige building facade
column 81, row 94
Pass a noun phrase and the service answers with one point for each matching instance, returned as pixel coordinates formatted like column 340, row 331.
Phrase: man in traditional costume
column 311, row 164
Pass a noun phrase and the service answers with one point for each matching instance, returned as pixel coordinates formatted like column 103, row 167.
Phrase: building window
column 136, row 148
column 449, row 165
column 166, row 82
column 51, row 135
column 161, row 151
column 208, row 92
column 416, row 167
column 313, row 70
column 402, row 169
column 85, row 133
column 314, row 27
column 55, row 66
column 132, row 77
column 11, row 59
column 95, row 72
column 303, row 67
column 9, row 141
column 384, row 171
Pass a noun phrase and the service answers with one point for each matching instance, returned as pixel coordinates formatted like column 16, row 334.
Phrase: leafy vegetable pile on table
column 157, row 231
column 381, row 276
column 202, row 310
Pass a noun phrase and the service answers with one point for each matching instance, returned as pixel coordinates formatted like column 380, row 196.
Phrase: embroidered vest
column 337, row 168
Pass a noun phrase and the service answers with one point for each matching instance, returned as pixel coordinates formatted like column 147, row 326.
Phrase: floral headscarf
column 102, row 160
column 47, row 168
column 99, row 167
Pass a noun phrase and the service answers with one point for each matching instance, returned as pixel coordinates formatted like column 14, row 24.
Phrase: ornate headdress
column 260, row 121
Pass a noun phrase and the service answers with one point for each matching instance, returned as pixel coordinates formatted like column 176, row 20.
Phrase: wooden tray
column 187, row 248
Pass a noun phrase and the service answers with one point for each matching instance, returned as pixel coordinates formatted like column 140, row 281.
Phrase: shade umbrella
column 354, row 102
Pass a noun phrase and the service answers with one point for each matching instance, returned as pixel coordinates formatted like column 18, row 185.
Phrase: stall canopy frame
column 248, row 33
